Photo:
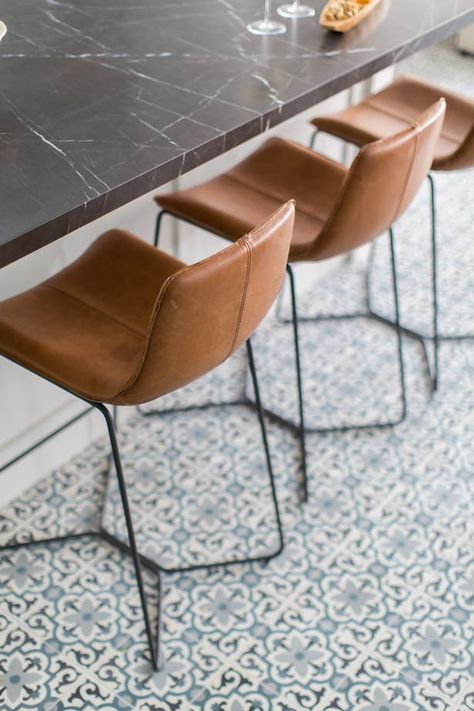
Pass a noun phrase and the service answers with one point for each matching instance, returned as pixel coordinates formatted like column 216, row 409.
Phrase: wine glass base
column 266, row 28
column 290, row 10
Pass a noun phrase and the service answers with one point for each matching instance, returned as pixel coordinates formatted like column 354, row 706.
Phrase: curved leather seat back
column 205, row 311
column 382, row 181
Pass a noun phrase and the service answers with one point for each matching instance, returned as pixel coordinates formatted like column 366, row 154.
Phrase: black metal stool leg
column 312, row 141
column 297, row 319
column 159, row 217
column 299, row 379
column 154, row 650
column 263, row 429
column 388, row 321
column 397, row 325
column 435, row 336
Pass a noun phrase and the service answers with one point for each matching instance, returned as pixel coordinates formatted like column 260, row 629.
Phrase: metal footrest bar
column 342, row 428
column 257, row 405
column 351, row 316
column 243, row 402
column 153, row 640
column 157, row 568
column 430, row 371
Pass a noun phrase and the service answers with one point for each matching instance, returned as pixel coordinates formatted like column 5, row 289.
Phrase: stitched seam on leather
column 407, row 176
column 244, row 296
column 146, row 345
column 276, row 198
column 340, row 198
column 156, row 309
column 94, row 308
column 390, row 112
column 394, row 114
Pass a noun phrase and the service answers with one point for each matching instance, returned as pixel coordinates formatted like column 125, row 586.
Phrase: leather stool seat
column 233, row 203
column 127, row 323
column 81, row 328
column 337, row 208
column 396, row 108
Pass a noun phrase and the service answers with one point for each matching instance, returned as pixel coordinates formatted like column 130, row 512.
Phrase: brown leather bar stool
column 127, row 323
column 394, row 109
column 337, row 209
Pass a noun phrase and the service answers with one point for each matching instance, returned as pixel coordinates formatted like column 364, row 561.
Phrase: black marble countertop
column 104, row 100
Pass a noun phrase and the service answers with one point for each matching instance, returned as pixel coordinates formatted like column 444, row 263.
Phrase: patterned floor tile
column 431, row 642
column 34, row 676
column 373, row 685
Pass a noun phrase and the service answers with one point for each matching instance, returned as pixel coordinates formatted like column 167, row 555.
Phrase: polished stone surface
column 104, row 101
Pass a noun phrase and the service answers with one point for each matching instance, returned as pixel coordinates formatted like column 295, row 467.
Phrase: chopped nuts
column 342, row 10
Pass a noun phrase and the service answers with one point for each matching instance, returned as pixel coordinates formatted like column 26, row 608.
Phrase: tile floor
column 371, row 605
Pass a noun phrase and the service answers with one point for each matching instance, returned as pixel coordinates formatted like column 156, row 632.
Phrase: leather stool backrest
column 381, row 183
column 206, row 311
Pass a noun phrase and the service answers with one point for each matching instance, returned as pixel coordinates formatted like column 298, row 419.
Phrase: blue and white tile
column 34, row 676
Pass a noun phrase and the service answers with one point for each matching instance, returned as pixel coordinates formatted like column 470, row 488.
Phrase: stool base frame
column 424, row 338
column 301, row 428
column 140, row 561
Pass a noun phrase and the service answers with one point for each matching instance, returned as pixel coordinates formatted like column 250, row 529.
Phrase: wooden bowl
column 365, row 7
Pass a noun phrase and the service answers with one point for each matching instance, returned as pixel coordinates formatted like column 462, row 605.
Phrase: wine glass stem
column 268, row 11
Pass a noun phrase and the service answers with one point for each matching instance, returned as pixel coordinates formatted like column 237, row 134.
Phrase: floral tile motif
column 448, row 502
column 33, row 675
column 417, row 556
column 365, row 572
column 374, row 686
column 431, row 644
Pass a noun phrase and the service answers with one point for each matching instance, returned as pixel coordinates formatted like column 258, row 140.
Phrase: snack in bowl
column 343, row 15
column 342, row 9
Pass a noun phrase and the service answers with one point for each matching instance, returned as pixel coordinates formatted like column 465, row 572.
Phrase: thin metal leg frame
column 299, row 379
column 258, row 406
column 153, row 644
column 432, row 371
column 388, row 322
column 344, row 317
column 435, row 336
column 312, row 140
column 244, row 400
column 159, row 217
